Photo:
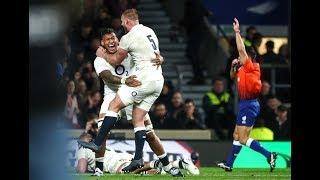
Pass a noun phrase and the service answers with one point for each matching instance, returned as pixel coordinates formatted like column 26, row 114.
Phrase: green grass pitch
column 205, row 173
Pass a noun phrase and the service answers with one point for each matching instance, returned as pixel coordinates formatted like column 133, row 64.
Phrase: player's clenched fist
column 132, row 82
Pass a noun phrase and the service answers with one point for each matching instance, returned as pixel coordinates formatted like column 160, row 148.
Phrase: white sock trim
column 99, row 122
column 100, row 159
column 162, row 156
column 136, row 129
column 249, row 141
column 149, row 127
column 236, row 143
column 112, row 114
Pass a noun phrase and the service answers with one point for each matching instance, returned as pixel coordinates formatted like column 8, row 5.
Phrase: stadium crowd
column 84, row 89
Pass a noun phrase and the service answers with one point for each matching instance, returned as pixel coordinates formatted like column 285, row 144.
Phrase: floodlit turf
column 205, row 173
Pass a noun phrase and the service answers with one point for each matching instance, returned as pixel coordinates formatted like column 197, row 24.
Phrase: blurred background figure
column 265, row 93
column 166, row 94
column 250, row 31
column 175, row 105
column 270, row 57
column 284, row 53
column 160, row 118
column 283, row 130
column 71, row 107
column 269, row 112
column 218, row 107
column 189, row 117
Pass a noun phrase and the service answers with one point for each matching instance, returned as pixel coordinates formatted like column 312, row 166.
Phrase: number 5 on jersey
column 152, row 42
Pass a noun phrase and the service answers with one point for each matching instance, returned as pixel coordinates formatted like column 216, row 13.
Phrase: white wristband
column 123, row 80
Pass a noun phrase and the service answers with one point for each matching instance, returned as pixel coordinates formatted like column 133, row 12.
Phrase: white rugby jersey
column 89, row 155
column 114, row 160
column 121, row 70
column 141, row 42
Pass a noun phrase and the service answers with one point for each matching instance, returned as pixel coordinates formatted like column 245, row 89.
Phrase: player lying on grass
column 114, row 162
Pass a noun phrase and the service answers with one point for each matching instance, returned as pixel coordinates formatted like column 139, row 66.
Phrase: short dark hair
column 271, row 96
column 256, row 36
column 188, row 100
column 282, row 108
column 159, row 104
column 270, row 44
column 218, row 78
column 250, row 28
column 106, row 31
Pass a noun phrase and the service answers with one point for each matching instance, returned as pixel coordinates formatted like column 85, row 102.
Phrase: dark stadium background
column 214, row 39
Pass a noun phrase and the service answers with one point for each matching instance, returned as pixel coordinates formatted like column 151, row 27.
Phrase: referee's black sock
column 108, row 122
column 140, row 138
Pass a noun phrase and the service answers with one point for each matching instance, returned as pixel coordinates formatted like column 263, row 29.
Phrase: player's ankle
column 167, row 167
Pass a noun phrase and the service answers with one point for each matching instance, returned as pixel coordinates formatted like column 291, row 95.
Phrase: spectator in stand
column 92, row 105
column 81, row 39
column 218, row 107
column 91, row 78
column 71, row 107
column 189, row 117
column 76, row 79
column 283, row 130
column 94, row 45
column 256, row 43
column 82, row 96
column 160, row 118
column 103, row 19
column 270, row 57
column 166, row 94
column 265, row 93
column 250, row 31
column 176, row 104
column 77, row 60
column 284, row 53
column 269, row 112
column 118, row 29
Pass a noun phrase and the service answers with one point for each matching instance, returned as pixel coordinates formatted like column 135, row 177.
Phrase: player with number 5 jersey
column 142, row 44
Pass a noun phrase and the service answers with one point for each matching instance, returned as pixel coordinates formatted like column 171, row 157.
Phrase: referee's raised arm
column 240, row 45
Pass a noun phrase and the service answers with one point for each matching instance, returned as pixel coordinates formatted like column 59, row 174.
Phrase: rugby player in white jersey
column 111, row 77
column 141, row 43
column 114, row 162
